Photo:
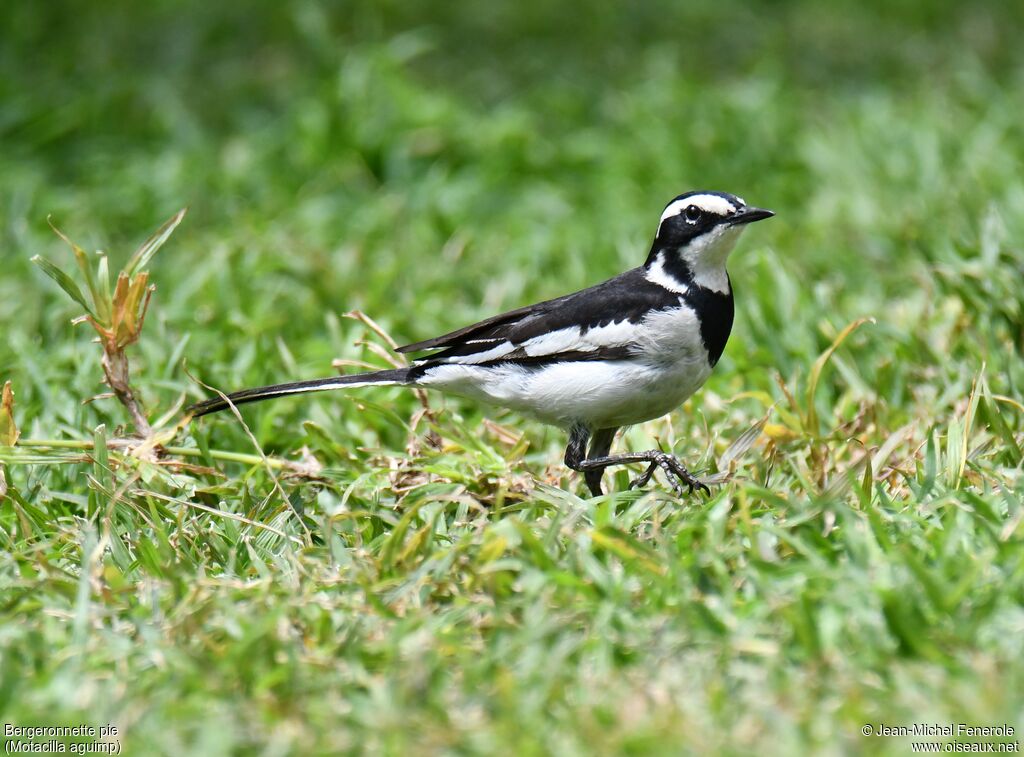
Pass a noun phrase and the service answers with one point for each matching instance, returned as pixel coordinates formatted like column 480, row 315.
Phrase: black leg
column 576, row 452
column 677, row 474
column 600, row 445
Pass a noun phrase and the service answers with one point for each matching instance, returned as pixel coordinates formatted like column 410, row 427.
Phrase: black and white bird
column 628, row 350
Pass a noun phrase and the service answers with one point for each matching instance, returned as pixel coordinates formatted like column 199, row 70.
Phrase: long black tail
column 396, row 376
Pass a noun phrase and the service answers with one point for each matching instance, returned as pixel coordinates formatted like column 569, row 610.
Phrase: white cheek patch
column 713, row 204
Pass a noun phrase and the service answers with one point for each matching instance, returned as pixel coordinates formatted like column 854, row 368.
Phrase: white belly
column 597, row 394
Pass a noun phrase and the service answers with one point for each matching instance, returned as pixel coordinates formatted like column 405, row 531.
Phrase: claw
column 679, row 475
column 675, row 471
column 644, row 477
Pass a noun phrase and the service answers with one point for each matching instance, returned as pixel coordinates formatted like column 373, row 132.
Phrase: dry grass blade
column 131, row 300
column 394, row 357
column 377, row 329
column 819, row 365
column 743, row 442
column 8, row 428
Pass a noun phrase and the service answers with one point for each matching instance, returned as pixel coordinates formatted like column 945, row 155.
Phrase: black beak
column 749, row 215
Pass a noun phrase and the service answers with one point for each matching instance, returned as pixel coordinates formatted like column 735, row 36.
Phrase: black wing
column 565, row 328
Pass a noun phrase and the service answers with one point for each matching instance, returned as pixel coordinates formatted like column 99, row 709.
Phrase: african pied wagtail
column 625, row 351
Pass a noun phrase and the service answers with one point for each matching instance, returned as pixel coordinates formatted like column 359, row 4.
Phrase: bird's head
column 696, row 233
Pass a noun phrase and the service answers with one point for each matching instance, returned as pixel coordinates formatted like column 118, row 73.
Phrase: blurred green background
column 433, row 163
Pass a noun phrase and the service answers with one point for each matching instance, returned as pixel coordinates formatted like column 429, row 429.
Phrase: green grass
column 443, row 584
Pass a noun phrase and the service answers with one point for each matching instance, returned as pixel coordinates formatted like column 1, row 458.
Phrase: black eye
column 692, row 213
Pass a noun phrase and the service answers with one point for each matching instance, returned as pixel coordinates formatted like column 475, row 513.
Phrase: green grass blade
column 148, row 249
column 105, row 302
column 64, row 281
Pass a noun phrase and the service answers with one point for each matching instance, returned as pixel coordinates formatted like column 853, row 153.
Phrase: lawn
column 379, row 572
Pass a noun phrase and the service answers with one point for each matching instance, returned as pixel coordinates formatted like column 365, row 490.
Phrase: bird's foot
column 676, row 473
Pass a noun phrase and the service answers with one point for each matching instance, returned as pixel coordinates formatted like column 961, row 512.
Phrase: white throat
column 705, row 256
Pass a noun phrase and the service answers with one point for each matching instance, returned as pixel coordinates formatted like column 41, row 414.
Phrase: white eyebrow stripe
column 711, row 203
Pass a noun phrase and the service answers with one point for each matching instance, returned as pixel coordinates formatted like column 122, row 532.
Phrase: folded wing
column 594, row 324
